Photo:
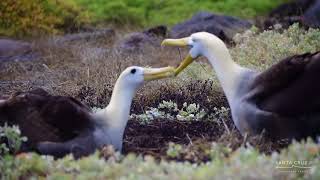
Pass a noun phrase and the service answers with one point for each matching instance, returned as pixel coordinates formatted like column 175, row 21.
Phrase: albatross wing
column 290, row 87
column 43, row 117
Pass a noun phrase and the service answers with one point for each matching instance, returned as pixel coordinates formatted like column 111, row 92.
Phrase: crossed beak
column 158, row 73
column 183, row 42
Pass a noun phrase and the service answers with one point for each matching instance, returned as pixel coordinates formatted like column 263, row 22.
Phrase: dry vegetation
column 88, row 70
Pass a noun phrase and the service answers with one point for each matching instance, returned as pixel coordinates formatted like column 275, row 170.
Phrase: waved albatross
column 284, row 100
column 59, row 125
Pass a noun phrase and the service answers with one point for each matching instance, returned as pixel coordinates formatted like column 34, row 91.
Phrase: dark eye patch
column 133, row 71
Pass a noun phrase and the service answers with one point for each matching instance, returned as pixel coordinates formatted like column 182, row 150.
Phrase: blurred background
column 24, row 18
column 58, row 44
column 61, row 33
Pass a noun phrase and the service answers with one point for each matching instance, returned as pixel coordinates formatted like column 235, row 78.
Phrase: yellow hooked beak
column 157, row 73
column 179, row 43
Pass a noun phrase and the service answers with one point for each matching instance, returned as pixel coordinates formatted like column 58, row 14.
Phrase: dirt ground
column 78, row 72
column 196, row 138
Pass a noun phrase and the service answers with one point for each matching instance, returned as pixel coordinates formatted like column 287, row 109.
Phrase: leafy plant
column 25, row 17
column 260, row 50
column 190, row 112
column 242, row 163
column 153, row 12
column 220, row 114
column 174, row 150
column 33, row 18
column 169, row 110
column 219, row 152
column 11, row 139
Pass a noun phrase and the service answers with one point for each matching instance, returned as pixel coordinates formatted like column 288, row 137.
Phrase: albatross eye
column 133, row 71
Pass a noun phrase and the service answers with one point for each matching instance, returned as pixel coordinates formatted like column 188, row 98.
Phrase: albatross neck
column 228, row 72
column 118, row 110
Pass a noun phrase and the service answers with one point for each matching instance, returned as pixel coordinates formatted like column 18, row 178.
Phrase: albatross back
column 290, row 92
column 291, row 87
column 44, row 117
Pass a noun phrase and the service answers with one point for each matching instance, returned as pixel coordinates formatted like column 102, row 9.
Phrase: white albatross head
column 201, row 44
column 125, row 88
column 230, row 74
column 133, row 77
column 113, row 119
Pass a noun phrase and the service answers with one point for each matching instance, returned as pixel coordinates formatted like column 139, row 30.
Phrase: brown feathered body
column 43, row 117
column 288, row 95
column 284, row 100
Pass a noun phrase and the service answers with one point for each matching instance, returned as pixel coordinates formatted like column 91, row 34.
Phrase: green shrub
column 174, row 150
column 253, row 49
column 153, row 12
column 120, row 13
column 25, row 17
column 169, row 110
column 71, row 14
column 173, row 11
column 260, row 50
column 243, row 163
column 33, row 18
column 12, row 139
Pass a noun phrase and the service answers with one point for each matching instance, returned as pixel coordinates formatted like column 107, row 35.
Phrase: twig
column 245, row 138
column 203, row 68
column 189, row 139
column 225, row 125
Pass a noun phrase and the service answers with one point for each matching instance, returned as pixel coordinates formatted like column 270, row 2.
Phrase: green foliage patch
column 31, row 18
column 153, row 12
column 37, row 17
column 244, row 163
column 188, row 112
column 11, row 135
column 260, row 50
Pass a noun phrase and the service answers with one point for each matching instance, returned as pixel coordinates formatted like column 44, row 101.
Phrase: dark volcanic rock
column 135, row 42
column 295, row 8
column 225, row 27
column 312, row 16
column 95, row 35
column 305, row 12
column 14, row 50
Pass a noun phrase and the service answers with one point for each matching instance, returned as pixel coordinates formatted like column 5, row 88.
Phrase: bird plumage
column 289, row 90
column 59, row 125
column 290, row 87
column 44, row 117
column 284, row 100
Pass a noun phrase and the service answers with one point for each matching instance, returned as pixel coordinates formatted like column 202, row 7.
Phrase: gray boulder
column 136, row 42
column 96, row 35
column 305, row 12
column 311, row 17
column 292, row 8
column 14, row 50
column 225, row 27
